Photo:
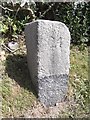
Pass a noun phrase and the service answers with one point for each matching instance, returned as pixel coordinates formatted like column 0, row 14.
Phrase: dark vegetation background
column 75, row 16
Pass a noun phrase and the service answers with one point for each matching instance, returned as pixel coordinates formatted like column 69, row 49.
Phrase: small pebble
column 13, row 45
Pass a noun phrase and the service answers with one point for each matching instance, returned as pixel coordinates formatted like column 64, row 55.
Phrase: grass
column 79, row 91
column 18, row 94
column 79, row 81
column 17, row 91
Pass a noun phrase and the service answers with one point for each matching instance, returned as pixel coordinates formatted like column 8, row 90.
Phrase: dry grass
column 20, row 99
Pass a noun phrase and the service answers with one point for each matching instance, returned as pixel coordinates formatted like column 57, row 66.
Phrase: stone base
column 52, row 89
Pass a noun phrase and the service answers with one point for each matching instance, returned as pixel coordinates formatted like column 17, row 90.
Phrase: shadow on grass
column 17, row 69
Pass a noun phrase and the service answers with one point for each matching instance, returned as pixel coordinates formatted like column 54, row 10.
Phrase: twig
column 17, row 12
column 47, row 10
column 5, row 8
column 12, row 51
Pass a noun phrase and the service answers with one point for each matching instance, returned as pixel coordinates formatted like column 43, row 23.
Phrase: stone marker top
column 53, row 41
column 49, row 21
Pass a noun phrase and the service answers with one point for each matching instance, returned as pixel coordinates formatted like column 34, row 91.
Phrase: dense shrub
column 14, row 18
column 75, row 16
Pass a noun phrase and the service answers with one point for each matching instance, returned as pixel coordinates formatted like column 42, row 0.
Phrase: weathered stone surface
column 48, row 49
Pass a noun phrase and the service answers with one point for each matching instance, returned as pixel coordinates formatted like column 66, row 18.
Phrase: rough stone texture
column 48, row 49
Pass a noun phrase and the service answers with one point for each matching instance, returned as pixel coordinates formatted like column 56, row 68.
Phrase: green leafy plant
column 14, row 18
column 75, row 16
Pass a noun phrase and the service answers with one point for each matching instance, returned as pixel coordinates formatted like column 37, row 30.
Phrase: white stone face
column 53, row 46
column 48, row 50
